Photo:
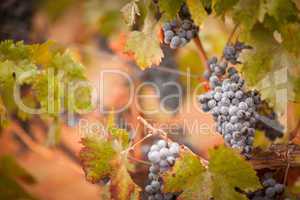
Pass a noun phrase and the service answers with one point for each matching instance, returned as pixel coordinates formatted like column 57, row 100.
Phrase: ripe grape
column 271, row 189
column 231, row 52
column 162, row 156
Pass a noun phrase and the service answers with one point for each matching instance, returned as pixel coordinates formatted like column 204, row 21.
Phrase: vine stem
column 203, row 55
column 231, row 36
column 232, row 33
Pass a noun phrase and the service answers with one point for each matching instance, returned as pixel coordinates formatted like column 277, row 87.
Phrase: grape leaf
column 170, row 7
column 226, row 171
column 122, row 186
column 48, row 71
column 130, row 11
column 145, row 45
column 187, row 175
column 97, row 157
column 247, row 12
column 229, row 171
column 291, row 37
column 103, row 158
column 283, row 10
column 221, row 6
column 197, row 11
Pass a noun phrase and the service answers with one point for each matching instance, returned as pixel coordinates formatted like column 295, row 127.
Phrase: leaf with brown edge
column 122, row 186
column 97, row 156
column 130, row 11
column 145, row 45
column 106, row 158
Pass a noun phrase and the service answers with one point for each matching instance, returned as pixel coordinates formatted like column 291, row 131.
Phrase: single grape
column 167, row 26
column 154, row 156
column 175, row 42
column 270, row 192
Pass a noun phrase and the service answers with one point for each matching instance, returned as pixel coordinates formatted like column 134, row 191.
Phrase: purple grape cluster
column 179, row 32
column 271, row 189
column 232, row 52
column 232, row 107
column 162, row 156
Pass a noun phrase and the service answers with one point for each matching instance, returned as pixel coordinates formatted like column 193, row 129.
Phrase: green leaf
column 229, row 171
column 185, row 172
column 130, row 11
column 145, row 45
column 221, row 6
column 187, row 176
column 197, row 11
column 226, row 171
column 291, row 37
column 247, row 12
column 283, row 10
column 47, row 71
column 258, row 62
column 170, row 7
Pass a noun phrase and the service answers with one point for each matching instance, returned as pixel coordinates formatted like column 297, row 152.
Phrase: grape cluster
column 232, row 107
column 162, row 156
column 271, row 189
column 179, row 32
column 232, row 52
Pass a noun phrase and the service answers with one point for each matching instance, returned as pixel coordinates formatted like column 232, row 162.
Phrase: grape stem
column 138, row 160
